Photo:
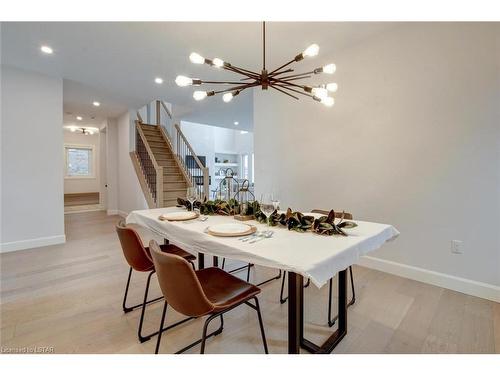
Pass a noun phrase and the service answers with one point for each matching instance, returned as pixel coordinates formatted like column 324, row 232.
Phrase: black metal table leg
column 295, row 312
column 340, row 332
column 201, row 261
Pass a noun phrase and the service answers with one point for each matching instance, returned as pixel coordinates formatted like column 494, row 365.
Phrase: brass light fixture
column 277, row 79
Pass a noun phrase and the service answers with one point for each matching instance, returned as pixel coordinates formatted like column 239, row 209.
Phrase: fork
column 269, row 234
column 254, row 235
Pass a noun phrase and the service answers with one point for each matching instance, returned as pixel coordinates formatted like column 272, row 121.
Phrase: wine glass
column 266, row 205
column 276, row 201
column 192, row 195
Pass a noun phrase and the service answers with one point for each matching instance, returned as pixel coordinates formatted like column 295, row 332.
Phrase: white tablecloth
column 311, row 255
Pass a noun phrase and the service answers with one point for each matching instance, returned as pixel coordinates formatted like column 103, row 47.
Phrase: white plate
column 231, row 229
column 179, row 216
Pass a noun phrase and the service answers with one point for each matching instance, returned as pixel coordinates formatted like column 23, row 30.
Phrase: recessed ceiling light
column 243, row 132
column 96, row 104
column 47, row 50
column 159, row 80
column 236, row 123
column 79, row 118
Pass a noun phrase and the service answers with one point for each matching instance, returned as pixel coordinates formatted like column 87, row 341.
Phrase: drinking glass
column 266, row 205
column 192, row 195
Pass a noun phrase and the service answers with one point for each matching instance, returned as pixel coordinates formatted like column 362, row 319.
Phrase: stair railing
column 153, row 172
column 192, row 165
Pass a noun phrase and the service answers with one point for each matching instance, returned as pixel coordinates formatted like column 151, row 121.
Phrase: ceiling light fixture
column 159, row 80
column 236, row 123
column 96, row 104
column 47, row 50
column 277, row 79
column 79, row 118
column 85, row 130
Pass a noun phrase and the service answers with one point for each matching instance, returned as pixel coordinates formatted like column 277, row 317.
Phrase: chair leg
column 223, row 263
column 160, row 331
column 331, row 321
column 205, row 327
column 261, row 324
column 277, row 277
column 141, row 321
column 283, row 300
column 124, row 305
column 125, row 308
column 307, row 283
column 248, row 271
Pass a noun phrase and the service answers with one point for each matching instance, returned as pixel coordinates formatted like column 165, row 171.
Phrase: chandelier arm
column 297, row 91
column 282, row 66
column 283, row 91
column 240, row 88
column 243, row 71
column 264, row 45
column 297, row 75
column 221, row 82
column 282, row 72
column 288, row 83
column 294, row 79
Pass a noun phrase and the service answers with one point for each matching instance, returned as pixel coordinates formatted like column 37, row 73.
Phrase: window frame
column 92, row 162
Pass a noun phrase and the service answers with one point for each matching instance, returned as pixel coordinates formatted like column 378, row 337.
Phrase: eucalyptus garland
column 293, row 220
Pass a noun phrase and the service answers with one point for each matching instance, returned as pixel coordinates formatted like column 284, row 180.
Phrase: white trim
column 459, row 284
column 7, row 247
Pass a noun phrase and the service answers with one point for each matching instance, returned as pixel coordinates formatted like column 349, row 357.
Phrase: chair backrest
column 133, row 249
column 338, row 215
column 179, row 284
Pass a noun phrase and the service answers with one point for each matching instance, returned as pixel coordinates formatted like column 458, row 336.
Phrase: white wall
column 83, row 185
column 130, row 195
column 112, row 166
column 413, row 140
column 32, row 160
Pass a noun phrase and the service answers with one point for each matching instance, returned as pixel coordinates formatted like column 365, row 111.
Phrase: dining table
column 302, row 254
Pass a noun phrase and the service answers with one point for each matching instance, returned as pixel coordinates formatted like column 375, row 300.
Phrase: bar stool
column 139, row 259
column 331, row 321
column 209, row 292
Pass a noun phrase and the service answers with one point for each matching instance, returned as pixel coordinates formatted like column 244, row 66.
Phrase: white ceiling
column 116, row 63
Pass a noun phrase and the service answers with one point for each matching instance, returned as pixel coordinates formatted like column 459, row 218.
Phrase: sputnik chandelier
column 279, row 79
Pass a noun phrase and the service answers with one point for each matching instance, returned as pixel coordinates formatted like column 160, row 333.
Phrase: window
column 79, row 161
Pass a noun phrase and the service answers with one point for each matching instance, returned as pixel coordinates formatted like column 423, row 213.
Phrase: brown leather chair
column 139, row 259
column 331, row 321
column 208, row 292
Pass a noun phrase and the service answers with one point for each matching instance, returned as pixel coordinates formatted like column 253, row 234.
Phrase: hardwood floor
column 68, row 297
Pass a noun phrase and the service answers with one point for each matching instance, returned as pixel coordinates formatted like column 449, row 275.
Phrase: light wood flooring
column 69, row 297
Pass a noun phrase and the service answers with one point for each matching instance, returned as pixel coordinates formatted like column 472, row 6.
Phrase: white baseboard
column 7, row 247
column 117, row 212
column 459, row 284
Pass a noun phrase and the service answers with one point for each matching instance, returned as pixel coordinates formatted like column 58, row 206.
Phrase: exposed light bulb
column 183, row 81
column 47, row 50
column 79, row 118
column 196, row 58
column 332, row 87
column 96, row 104
column 327, row 101
column 73, row 129
column 218, row 62
column 159, row 80
column 91, row 132
column 319, row 92
column 227, row 97
column 311, row 51
column 199, row 95
column 236, row 123
column 329, row 69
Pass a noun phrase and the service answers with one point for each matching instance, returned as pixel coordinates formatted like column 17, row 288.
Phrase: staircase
column 164, row 171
